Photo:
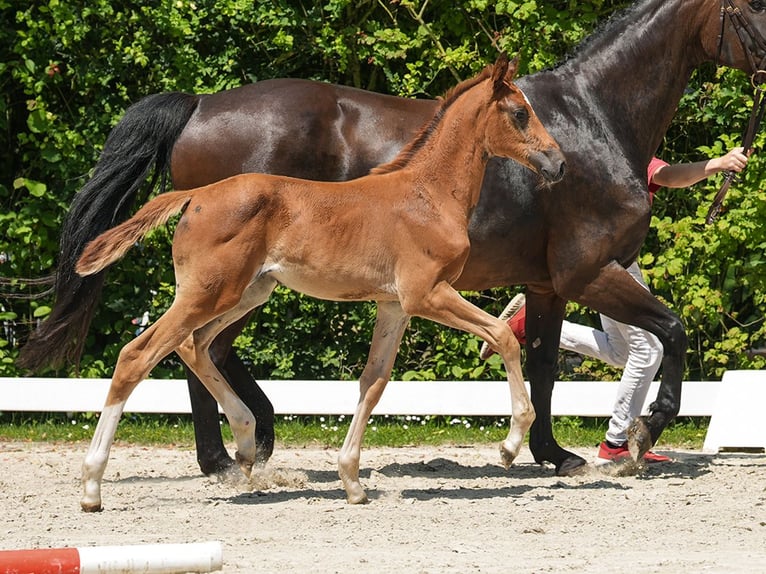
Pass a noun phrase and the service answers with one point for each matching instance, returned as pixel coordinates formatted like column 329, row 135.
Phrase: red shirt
column 654, row 165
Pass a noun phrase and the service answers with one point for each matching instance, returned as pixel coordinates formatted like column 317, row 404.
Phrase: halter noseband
column 745, row 32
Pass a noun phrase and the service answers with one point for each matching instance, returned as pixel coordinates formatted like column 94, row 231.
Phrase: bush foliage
column 69, row 70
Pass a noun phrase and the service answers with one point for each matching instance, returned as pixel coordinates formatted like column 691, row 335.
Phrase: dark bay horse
column 608, row 106
column 398, row 237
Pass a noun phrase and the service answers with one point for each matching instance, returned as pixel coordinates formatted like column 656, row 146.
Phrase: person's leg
column 644, row 356
column 608, row 345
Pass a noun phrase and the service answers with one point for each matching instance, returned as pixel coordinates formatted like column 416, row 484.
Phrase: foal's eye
column 758, row 5
column 522, row 117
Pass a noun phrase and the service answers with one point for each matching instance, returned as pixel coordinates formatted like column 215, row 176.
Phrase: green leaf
column 36, row 188
column 42, row 311
column 37, row 121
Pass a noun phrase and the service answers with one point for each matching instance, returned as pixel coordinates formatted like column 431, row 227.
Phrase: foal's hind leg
column 211, row 452
column 195, row 353
column 136, row 360
column 445, row 305
column 387, row 335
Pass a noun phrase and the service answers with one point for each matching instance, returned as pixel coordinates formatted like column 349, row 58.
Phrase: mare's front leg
column 545, row 313
column 616, row 294
column 386, row 337
column 211, row 452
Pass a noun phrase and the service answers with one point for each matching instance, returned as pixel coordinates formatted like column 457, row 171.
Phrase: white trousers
column 638, row 352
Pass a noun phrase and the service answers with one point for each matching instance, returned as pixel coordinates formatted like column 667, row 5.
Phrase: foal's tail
column 112, row 245
column 139, row 145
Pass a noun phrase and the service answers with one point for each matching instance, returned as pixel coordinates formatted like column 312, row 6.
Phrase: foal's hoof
column 91, row 496
column 357, row 498
column 355, row 494
column 245, row 464
column 507, row 456
column 91, row 506
column 639, row 438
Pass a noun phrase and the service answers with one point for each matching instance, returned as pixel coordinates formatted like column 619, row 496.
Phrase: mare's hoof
column 261, row 458
column 639, row 438
column 220, row 465
column 571, row 466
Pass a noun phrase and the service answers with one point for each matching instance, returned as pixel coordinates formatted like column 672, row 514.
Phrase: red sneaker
column 515, row 313
column 608, row 454
column 653, row 457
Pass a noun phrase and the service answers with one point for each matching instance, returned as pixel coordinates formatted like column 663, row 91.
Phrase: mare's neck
column 634, row 72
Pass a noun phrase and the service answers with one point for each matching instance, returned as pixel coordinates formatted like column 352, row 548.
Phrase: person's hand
column 735, row 160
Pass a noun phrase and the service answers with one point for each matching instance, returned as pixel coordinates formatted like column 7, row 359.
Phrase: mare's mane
column 425, row 132
column 615, row 22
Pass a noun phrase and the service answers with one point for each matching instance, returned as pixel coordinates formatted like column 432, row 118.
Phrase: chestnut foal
column 398, row 236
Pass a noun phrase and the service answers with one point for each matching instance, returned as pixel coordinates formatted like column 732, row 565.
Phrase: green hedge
column 70, row 68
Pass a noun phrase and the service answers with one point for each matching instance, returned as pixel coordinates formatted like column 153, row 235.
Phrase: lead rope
column 756, row 115
column 741, row 25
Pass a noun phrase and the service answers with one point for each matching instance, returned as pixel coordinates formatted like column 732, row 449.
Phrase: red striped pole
column 147, row 559
column 43, row 561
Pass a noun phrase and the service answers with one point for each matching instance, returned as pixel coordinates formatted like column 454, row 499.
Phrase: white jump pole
column 142, row 558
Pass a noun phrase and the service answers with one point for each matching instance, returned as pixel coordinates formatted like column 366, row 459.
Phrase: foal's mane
column 415, row 144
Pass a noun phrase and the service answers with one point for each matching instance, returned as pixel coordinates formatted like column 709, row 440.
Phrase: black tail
column 140, row 144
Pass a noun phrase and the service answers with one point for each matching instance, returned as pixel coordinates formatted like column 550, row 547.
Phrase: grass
column 329, row 431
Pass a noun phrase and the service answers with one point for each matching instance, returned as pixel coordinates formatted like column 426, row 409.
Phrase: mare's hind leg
column 136, row 360
column 387, row 335
column 195, row 353
column 616, row 294
column 445, row 305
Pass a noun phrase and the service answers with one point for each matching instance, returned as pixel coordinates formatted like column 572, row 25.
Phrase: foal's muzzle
column 550, row 164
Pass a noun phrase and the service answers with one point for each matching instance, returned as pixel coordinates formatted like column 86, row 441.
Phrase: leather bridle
column 748, row 37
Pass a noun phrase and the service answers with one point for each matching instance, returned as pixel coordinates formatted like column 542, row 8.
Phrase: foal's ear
column 502, row 75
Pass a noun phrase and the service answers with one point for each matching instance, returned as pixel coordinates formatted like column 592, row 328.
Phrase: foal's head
column 513, row 128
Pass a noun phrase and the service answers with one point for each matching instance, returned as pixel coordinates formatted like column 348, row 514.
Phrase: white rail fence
column 735, row 404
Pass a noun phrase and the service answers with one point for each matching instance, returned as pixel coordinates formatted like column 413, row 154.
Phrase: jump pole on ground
column 141, row 558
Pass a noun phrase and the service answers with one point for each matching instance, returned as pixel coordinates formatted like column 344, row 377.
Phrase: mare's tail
column 140, row 144
column 113, row 244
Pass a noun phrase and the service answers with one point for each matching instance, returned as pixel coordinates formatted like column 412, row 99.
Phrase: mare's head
column 737, row 35
column 514, row 130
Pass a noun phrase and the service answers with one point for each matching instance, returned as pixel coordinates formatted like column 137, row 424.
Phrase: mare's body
column 398, row 237
column 608, row 106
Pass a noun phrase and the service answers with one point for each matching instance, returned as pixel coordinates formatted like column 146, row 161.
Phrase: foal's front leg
column 387, row 335
column 445, row 305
